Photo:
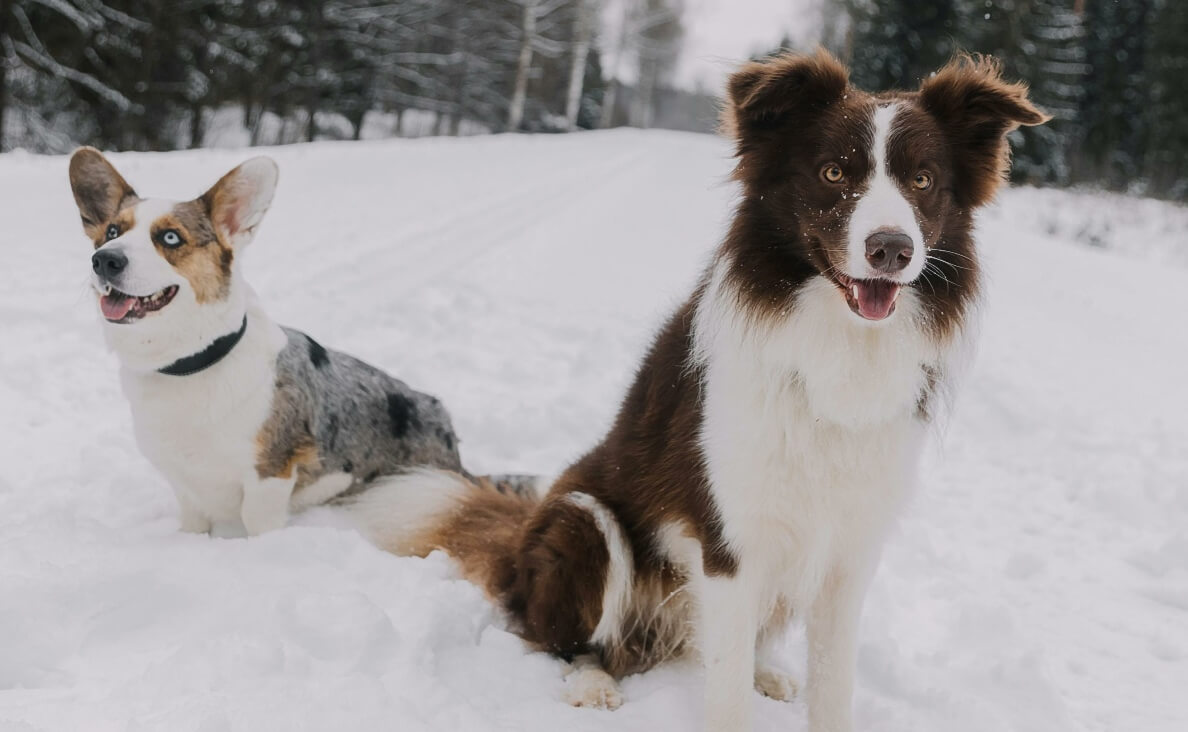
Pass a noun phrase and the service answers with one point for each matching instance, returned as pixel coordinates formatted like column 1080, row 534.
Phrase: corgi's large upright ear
column 237, row 203
column 766, row 94
column 99, row 190
column 976, row 109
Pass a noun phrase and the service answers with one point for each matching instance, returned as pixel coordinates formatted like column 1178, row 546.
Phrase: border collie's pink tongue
column 116, row 305
column 876, row 298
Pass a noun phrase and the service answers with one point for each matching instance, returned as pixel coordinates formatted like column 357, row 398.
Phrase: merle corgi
column 772, row 432
column 246, row 419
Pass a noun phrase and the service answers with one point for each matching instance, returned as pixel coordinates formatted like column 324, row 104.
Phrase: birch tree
column 583, row 32
column 531, row 14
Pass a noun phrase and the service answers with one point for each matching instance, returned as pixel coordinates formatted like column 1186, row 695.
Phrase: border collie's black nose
column 108, row 263
column 889, row 251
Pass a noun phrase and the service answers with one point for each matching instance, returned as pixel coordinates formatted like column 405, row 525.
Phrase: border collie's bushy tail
column 477, row 521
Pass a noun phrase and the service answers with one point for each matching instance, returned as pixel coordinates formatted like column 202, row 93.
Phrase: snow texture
column 1038, row 583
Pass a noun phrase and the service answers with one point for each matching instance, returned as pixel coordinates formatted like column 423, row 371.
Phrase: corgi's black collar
column 207, row 357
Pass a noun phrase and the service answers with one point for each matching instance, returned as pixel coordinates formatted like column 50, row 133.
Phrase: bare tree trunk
column 642, row 104
column 609, row 99
column 577, row 71
column 515, row 112
column 453, row 122
column 258, row 124
column 3, row 87
column 311, row 103
column 197, row 126
column 3, row 71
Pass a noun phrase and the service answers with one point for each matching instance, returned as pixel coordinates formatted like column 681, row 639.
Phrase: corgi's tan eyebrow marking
column 125, row 219
column 204, row 259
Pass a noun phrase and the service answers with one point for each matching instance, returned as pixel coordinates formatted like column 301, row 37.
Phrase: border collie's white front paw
column 588, row 685
column 775, row 684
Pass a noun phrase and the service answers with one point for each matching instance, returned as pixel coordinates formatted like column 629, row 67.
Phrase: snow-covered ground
column 1039, row 582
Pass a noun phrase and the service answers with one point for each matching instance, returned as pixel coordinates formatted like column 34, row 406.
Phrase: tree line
column 149, row 74
column 1113, row 74
column 146, row 74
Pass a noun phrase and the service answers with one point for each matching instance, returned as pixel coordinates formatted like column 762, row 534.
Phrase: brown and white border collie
column 772, row 432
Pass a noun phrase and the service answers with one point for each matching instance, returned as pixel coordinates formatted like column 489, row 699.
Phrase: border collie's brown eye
column 922, row 181
column 832, row 173
column 112, row 232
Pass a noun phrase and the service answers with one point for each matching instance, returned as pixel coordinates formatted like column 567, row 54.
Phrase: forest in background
column 1112, row 73
column 153, row 74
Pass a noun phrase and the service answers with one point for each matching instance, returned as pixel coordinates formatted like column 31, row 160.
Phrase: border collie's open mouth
column 119, row 307
column 871, row 299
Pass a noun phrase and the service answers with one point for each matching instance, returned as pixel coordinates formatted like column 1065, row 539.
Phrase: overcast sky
column 721, row 33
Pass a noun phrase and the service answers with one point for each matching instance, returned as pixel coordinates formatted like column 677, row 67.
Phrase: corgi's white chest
column 200, row 431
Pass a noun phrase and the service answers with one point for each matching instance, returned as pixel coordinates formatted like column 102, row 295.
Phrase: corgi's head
column 165, row 272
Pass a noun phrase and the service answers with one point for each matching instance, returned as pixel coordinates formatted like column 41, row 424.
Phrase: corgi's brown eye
column 171, row 238
column 832, row 173
column 922, row 181
column 112, row 232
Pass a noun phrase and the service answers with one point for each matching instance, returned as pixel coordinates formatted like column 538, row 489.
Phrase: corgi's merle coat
column 245, row 419
column 772, row 431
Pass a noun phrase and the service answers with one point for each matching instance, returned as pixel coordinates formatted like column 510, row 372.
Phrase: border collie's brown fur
column 771, row 431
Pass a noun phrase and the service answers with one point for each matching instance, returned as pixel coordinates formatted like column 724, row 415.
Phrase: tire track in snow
column 467, row 237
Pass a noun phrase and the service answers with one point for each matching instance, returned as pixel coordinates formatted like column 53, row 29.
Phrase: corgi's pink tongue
column 115, row 306
column 876, row 298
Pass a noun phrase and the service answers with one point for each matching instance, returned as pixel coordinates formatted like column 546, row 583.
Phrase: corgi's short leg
column 266, row 503
column 587, row 684
column 193, row 521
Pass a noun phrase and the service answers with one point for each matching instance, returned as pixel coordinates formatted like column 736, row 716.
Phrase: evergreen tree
column 1116, row 91
column 1051, row 57
column 1167, row 152
column 896, row 43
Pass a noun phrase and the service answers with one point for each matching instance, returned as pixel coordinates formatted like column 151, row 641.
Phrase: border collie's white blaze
column 772, row 432
column 883, row 207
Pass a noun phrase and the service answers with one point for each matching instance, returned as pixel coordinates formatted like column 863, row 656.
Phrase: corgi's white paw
column 266, row 504
column 193, row 522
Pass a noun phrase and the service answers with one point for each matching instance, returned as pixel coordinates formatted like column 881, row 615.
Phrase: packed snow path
column 1038, row 583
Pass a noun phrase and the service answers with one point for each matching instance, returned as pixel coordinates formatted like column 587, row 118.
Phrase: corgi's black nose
column 108, row 263
column 889, row 251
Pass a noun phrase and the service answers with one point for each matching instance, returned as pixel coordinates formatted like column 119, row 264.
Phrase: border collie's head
column 874, row 192
column 163, row 270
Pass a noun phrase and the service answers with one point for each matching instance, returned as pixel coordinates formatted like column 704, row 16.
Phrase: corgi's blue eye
column 112, row 232
column 171, row 238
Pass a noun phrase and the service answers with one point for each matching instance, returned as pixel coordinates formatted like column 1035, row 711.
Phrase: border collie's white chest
column 811, row 431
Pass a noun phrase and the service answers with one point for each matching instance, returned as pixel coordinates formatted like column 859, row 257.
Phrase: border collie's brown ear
column 238, row 202
column 762, row 93
column 977, row 109
column 99, row 189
